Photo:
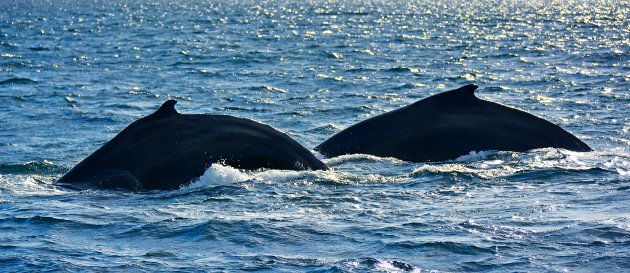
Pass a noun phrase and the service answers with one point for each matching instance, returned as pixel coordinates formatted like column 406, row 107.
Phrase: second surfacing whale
column 448, row 125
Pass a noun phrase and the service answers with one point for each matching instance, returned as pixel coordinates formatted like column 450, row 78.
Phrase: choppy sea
column 74, row 73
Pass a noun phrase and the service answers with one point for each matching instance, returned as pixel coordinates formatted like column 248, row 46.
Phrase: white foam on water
column 267, row 175
column 494, row 164
column 618, row 164
column 390, row 267
column 218, row 175
column 359, row 157
column 485, row 164
column 475, row 156
column 25, row 185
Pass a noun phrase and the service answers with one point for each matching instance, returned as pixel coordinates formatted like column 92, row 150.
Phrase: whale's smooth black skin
column 166, row 150
column 448, row 125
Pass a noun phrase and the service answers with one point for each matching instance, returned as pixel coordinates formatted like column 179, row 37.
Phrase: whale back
column 446, row 126
column 166, row 150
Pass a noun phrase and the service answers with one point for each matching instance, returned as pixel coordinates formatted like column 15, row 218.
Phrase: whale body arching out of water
column 166, row 150
column 446, row 126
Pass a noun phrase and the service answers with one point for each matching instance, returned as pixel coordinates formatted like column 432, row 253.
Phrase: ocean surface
column 74, row 73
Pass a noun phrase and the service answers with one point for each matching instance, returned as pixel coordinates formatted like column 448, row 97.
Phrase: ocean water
column 74, row 73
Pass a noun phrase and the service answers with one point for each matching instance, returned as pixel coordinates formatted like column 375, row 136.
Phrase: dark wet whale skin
column 446, row 126
column 166, row 150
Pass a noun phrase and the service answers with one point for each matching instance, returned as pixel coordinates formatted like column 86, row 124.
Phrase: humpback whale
column 446, row 126
column 166, row 150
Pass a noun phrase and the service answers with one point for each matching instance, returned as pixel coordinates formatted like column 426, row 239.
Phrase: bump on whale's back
column 448, row 125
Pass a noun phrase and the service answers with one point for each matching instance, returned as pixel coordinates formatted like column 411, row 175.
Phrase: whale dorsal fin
column 466, row 91
column 462, row 95
column 166, row 110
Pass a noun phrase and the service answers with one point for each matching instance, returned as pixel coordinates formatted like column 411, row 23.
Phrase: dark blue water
column 74, row 73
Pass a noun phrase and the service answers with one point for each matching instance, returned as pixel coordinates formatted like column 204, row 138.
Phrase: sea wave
column 15, row 81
